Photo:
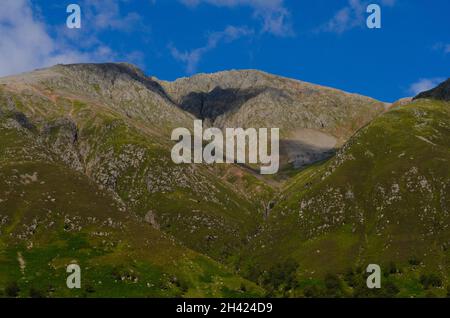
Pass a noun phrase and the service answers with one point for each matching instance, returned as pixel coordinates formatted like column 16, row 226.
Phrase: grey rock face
column 251, row 98
column 62, row 135
column 22, row 120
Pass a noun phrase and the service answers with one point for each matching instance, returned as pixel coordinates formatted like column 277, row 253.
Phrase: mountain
column 313, row 120
column 383, row 199
column 87, row 177
column 104, row 130
column 442, row 92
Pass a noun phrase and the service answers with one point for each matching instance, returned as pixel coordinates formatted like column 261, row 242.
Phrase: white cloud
column 24, row 42
column 274, row 15
column 346, row 18
column 424, row 84
column 106, row 14
column 351, row 16
column 442, row 47
column 192, row 58
column 27, row 44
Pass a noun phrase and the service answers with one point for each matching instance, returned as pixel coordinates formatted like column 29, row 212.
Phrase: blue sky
column 321, row 41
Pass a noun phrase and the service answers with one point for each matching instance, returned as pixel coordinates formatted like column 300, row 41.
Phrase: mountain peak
column 441, row 92
column 104, row 68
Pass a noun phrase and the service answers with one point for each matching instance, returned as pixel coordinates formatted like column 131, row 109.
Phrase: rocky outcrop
column 250, row 98
column 442, row 92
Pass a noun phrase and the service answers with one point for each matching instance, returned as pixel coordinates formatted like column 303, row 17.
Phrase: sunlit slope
column 384, row 198
column 52, row 216
column 113, row 125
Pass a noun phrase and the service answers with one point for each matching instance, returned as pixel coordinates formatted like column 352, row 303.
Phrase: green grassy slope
column 129, row 155
column 384, row 199
column 51, row 216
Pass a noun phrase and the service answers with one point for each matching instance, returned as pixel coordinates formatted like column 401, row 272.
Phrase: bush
column 282, row 274
column 180, row 284
column 12, row 290
column 389, row 289
column 253, row 272
column 312, row 291
column 350, row 277
column 414, row 261
column 36, row 293
column 430, row 294
column 89, row 289
column 116, row 273
column 430, row 280
column 392, row 268
column 333, row 285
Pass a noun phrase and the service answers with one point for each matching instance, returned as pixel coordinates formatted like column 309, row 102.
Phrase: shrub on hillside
column 430, row 280
column 12, row 290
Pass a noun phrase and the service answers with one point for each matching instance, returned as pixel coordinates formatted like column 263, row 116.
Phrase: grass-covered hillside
column 52, row 216
column 86, row 177
column 383, row 199
column 114, row 127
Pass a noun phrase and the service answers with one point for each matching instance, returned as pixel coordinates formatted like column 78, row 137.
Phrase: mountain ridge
column 224, row 99
column 441, row 92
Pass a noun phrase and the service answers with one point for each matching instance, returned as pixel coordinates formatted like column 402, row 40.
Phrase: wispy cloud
column 106, row 15
column 27, row 44
column 275, row 17
column 192, row 58
column 100, row 16
column 351, row 16
column 424, row 84
column 442, row 47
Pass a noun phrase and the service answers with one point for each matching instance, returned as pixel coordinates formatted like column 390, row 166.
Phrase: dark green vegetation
column 86, row 177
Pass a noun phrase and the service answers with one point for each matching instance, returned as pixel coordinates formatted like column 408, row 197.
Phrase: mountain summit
column 441, row 92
